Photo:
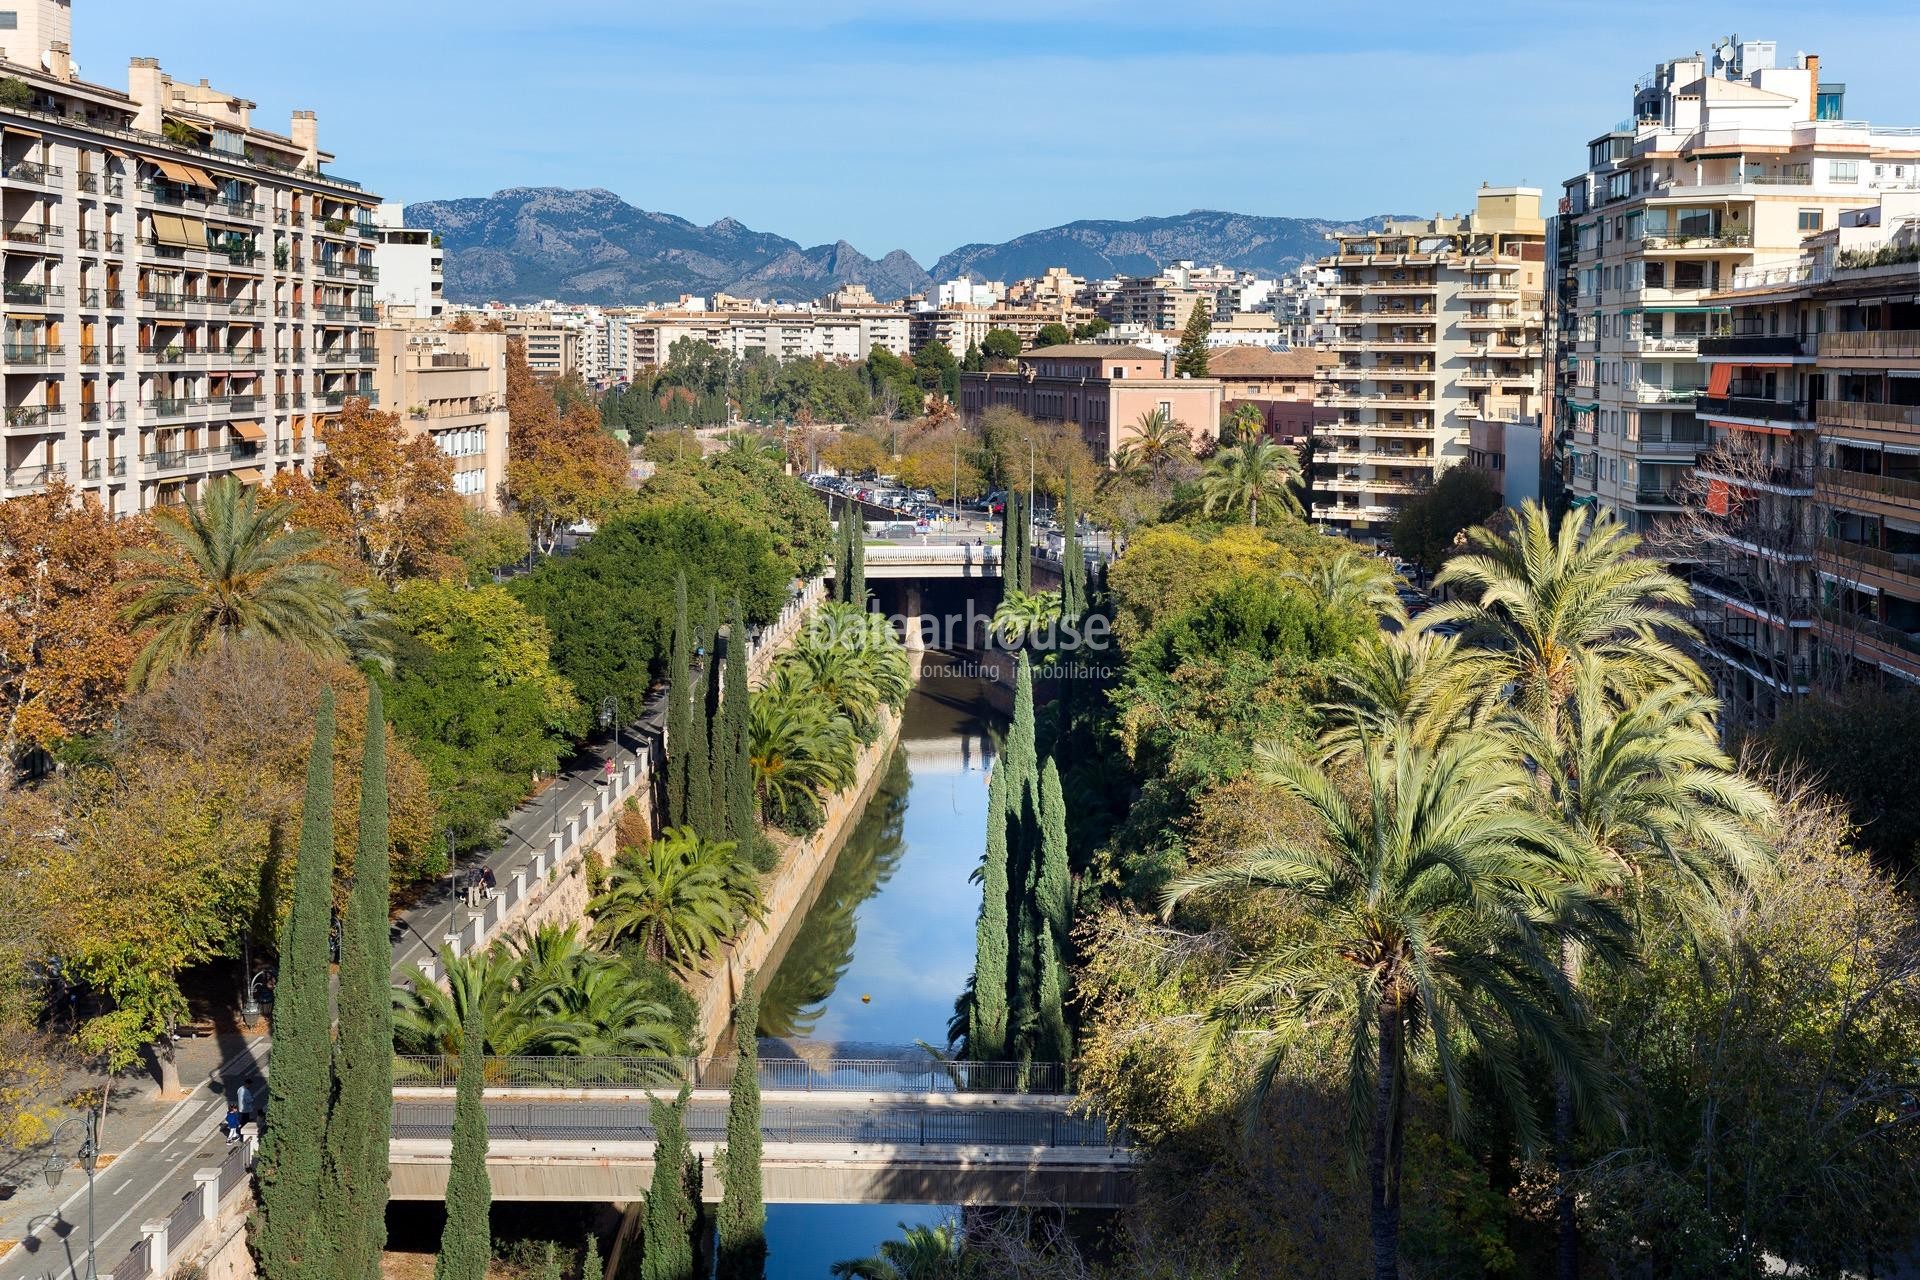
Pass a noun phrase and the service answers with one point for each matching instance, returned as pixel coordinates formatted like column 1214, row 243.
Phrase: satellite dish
column 46, row 59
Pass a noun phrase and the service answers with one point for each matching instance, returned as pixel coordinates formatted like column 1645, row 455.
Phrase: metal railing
column 1752, row 345
column 1905, row 565
column 1884, row 343
column 911, row 1071
column 1751, row 407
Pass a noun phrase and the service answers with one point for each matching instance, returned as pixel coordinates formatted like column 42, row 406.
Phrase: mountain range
column 528, row 243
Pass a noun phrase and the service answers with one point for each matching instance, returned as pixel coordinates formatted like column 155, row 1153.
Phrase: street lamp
column 610, row 718
column 453, row 879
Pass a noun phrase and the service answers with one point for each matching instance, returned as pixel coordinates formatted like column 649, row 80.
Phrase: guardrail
column 911, row 1072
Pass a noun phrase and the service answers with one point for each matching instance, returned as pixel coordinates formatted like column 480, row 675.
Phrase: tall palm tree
column 1435, row 903
column 679, row 898
column 1411, row 686
column 230, row 566
column 1248, row 474
column 1021, row 615
column 922, row 1253
column 1245, row 423
column 1565, row 600
column 800, row 749
column 870, row 636
column 1354, row 581
column 1158, row 440
column 1658, row 811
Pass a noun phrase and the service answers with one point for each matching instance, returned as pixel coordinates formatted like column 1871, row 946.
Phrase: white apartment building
column 782, row 334
column 412, row 266
column 188, row 295
column 1728, row 160
column 1438, row 338
column 969, row 293
column 1300, row 305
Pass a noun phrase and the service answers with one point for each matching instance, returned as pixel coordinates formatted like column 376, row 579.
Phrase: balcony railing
column 32, row 353
column 35, row 477
column 44, row 175
column 96, row 184
column 1752, row 345
column 94, row 241
column 34, row 416
column 96, row 354
column 1851, row 413
column 1874, row 343
column 1871, row 628
column 31, row 295
column 1906, row 491
column 1905, row 566
column 95, row 468
column 1790, row 411
column 28, row 233
column 1648, row 393
column 115, row 412
column 93, row 299
column 1696, row 242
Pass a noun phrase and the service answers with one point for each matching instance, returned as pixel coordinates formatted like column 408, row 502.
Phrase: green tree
column 1436, row 905
column 802, row 751
column 1876, row 773
column 1052, row 334
column 466, row 1242
column 743, row 1212
column 856, row 559
column 1053, row 1042
column 1190, row 356
column 735, row 743
column 291, row 1240
column 354, row 1195
column 1242, row 423
column 678, row 899
column 1000, row 344
column 668, row 1216
column 1157, row 443
column 1073, row 563
column 922, row 1253
column 1242, row 477
column 226, row 567
column 987, row 1020
column 1090, row 330
column 591, row 1267
column 699, row 744
column 1427, row 529
column 679, row 718
column 935, row 369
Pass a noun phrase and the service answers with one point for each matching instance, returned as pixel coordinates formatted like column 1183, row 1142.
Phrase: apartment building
column 1164, row 301
column 1727, row 159
column 960, row 326
column 452, row 388
column 555, row 347
column 1280, row 384
column 411, row 264
column 1437, row 329
column 784, row 334
column 1807, row 564
column 188, row 295
column 1103, row 390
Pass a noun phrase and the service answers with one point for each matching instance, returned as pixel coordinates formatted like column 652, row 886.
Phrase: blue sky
column 903, row 124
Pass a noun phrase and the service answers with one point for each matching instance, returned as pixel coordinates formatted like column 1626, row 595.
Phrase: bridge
column 932, row 556
column 834, row 1131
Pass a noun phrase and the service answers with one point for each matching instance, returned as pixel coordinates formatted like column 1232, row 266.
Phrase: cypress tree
column 699, row 749
column 1055, row 876
column 987, row 1021
column 355, row 1193
column 1073, row 565
column 591, row 1268
column 743, row 1212
column 857, row 562
column 719, row 753
column 1054, row 1041
column 466, row 1242
column 1022, row 805
column 738, row 743
column 679, row 731
column 667, row 1218
column 290, row 1242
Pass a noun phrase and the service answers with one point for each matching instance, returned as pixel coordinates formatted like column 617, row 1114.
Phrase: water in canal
column 888, row 944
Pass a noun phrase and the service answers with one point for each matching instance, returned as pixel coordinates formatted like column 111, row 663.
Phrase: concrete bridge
column 833, row 1132
column 933, row 556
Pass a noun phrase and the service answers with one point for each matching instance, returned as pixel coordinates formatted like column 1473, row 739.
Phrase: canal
column 887, row 946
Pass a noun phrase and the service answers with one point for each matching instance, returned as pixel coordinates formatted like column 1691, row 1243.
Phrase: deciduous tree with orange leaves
column 382, row 497
column 64, row 650
column 561, row 467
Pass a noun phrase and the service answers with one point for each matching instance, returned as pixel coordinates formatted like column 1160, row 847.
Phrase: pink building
column 1103, row 390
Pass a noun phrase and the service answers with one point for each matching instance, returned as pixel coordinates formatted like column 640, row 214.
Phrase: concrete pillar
column 477, row 929
column 910, row 612
column 554, row 854
column 519, row 883
column 207, row 1182
column 427, row 970
column 452, row 940
column 154, row 1230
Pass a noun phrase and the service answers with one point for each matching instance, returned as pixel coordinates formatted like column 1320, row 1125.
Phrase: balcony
column 35, row 417
column 27, row 294
column 94, row 299
column 102, row 184
column 1667, row 446
column 31, row 354
column 1873, row 344
column 1648, row 393
column 1695, row 243
column 94, row 354
column 1881, row 494
column 96, row 242
column 1490, row 292
column 1659, row 496
column 29, row 479
column 1753, row 345
column 35, row 236
column 1753, row 409
column 37, row 175
column 1870, row 640
column 1502, row 320
column 173, row 301
column 97, row 468
column 1883, row 570
column 1885, row 423
column 102, row 413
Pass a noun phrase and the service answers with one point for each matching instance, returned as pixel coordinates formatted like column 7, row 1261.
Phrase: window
column 1166, row 410
column 1844, row 170
column 1810, row 219
column 9, row 19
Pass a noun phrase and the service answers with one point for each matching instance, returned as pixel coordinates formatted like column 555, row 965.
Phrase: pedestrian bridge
column 931, row 557
column 834, row 1131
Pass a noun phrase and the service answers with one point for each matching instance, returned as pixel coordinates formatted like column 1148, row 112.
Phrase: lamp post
column 610, row 718
column 453, row 880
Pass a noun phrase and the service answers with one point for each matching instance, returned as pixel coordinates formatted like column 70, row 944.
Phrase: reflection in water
column 879, row 958
column 822, row 947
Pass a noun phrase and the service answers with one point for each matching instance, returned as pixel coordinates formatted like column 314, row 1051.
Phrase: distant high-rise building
column 187, row 295
column 1437, row 327
column 412, row 266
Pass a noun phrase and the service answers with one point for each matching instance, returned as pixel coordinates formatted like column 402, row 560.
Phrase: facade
column 1437, row 329
column 1103, row 390
column 452, row 388
column 784, row 334
column 1281, row 384
column 960, row 326
column 1164, row 301
column 175, row 310
column 1808, row 568
column 411, row 265
column 1727, row 160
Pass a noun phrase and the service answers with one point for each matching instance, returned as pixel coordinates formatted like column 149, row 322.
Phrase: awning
column 177, row 172
column 201, row 178
column 249, row 475
column 252, row 431
column 185, row 233
column 18, row 132
column 1687, row 309
column 1719, row 378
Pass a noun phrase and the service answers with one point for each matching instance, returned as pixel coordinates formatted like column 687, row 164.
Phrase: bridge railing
column 798, row 1075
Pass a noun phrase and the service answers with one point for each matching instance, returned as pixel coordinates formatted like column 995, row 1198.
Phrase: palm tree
column 1657, row 810
column 1158, row 440
column 679, row 898
column 1353, row 581
column 1021, row 615
column 1566, row 600
column 227, row 567
column 922, row 1253
column 1410, row 686
column 1248, row 473
column 430, row 1020
column 1436, row 904
column 1245, row 423
column 870, row 636
column 840, row 676
column 801, row 750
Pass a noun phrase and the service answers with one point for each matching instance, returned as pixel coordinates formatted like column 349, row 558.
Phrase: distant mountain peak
column 522, row 244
